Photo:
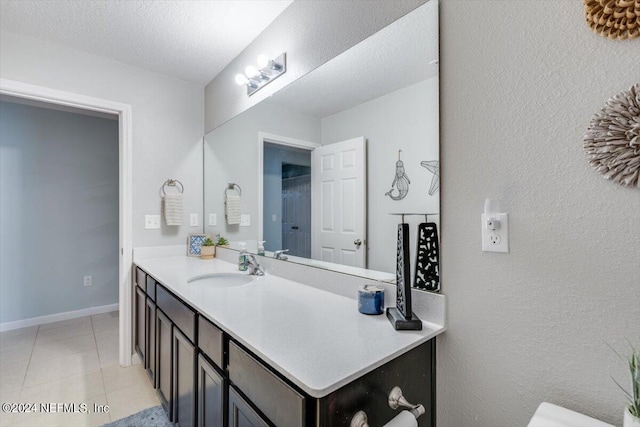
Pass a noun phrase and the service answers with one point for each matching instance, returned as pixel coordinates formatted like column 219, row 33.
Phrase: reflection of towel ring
column 172, row 183
column 233, row 186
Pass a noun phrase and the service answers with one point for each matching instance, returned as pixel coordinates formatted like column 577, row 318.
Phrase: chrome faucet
column 253, row 265
column 280, row 254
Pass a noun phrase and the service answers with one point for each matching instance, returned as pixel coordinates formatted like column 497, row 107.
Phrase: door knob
column 357, row 242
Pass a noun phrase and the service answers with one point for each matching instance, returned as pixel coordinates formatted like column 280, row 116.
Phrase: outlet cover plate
column 151, row 222
column 193, row 220
column 213, row 220
column 496, row 240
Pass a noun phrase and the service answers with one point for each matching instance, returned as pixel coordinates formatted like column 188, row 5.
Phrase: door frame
column 278, row 140
column 125, row 216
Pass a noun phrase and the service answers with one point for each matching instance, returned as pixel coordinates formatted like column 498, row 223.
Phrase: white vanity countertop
column 315, row 338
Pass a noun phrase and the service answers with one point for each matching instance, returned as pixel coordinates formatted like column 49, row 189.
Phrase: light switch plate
column 151, row 222
column 193, row 220
column 245, row 220
column 274, row 217
column 213, row 220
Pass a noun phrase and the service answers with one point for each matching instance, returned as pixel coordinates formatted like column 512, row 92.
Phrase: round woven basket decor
column 612, row 140
column 616, row 19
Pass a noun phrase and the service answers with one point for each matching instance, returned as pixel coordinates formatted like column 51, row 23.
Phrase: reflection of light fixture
column 269, row 70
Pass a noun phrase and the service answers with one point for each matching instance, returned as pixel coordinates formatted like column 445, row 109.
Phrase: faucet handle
column 280, row 254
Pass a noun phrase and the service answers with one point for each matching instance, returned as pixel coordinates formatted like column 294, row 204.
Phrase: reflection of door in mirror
column 314, row 200
column 296, row 209
column 339, row 203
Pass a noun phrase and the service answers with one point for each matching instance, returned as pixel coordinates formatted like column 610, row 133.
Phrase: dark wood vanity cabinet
column 184, row 380
column 164, row 366
column 205, row 378
column 145, row 321
column 242, row 414
column 211, row 392
column 140, row 324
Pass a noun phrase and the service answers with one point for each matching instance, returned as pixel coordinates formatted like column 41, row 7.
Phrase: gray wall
column 311, row 33
column 272, row 201
column 168, row 117
column 406, row 119
column 520, row 82
column 58, row 211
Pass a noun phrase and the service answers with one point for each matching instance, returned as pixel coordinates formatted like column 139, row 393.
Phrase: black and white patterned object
column 403, row 272
column 427, row 258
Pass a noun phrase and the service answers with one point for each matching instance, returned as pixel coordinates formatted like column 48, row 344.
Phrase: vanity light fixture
column 268, row 70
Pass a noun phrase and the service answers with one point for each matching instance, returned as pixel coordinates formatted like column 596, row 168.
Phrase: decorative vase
column 207, row 252
column 630, row 420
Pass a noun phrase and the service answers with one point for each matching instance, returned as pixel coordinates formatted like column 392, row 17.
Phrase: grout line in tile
column 33, row 346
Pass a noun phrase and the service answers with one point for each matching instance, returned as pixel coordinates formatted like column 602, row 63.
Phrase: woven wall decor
column 612, row 140
column 616, row 19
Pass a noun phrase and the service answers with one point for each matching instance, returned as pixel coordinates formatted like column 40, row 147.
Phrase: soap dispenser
column 243, row 257
column 261, row 247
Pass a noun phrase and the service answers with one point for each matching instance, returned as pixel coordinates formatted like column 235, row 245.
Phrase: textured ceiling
column 395, row 57
column 190, row 40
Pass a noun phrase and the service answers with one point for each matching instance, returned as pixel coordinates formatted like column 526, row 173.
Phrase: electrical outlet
column 151, row 222
column 88, row 280
column 213, row 220
column 193, row 220
column 245, row 220
column 495, row 235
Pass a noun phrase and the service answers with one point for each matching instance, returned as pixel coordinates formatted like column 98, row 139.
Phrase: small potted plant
column 208, row 249
column 222, row 242
column 632, row 410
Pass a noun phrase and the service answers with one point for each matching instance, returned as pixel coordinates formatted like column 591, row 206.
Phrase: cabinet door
column 140, row 342
column 150, row 333
column 241, row 414
column 164, row 377
column 184, row 384
column 210, row 394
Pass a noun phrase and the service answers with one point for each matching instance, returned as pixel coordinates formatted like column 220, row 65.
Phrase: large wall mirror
column 324, row 163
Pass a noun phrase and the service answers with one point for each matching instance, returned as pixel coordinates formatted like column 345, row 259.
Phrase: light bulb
column 251, row 71
column 241, row 79
column 263, row 60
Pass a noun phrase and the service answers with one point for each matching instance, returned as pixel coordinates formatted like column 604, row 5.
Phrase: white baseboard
column 24, row 323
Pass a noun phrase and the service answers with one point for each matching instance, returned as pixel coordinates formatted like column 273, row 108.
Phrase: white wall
column 520, row 82
column 58, row 211
column 406, row 119
column 311, row 33
column 231, row 155
column 168, row 116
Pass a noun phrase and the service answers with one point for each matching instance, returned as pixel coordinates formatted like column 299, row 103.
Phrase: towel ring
column 172, row 183
column 233, row 186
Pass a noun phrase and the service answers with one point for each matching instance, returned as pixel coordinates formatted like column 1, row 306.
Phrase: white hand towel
column 233, row 209
column 172, row 208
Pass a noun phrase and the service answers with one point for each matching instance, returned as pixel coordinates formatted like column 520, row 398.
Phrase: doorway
column 296, row 209
column 123, row 112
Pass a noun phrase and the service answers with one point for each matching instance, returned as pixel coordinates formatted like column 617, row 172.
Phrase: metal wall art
column 615, row 19
column 433, row 166
column 400, row 182
column 612, row 140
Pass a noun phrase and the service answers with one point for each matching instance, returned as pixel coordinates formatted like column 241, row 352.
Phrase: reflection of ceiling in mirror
column 397, row 56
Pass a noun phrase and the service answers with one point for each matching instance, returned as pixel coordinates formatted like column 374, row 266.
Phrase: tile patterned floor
column 73, row 361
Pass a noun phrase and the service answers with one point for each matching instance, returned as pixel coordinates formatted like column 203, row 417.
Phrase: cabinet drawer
column 210, row 341
column 151, row 287
column 180, row 314
column 284, row 406
column 141, row 277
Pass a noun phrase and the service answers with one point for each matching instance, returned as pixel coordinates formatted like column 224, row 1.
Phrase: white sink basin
column 222, row 280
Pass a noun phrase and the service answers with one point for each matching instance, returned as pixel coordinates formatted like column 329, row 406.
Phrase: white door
column 338, row 203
